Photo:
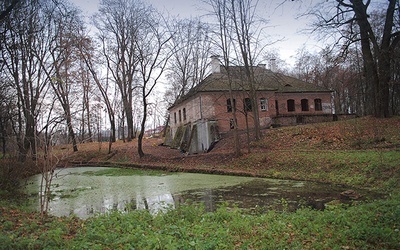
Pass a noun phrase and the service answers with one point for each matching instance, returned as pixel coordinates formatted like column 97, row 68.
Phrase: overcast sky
column 280, row 14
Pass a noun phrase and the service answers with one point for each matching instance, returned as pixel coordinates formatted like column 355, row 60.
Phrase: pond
column 86, row 191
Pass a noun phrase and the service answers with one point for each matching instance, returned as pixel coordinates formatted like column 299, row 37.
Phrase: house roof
column 265, row 80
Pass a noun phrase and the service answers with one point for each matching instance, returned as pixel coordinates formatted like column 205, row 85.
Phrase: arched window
column 290, row 105
column 175, row 117
column 180, row 116
column 304, row 105
column 318, row 104
column 184, row 114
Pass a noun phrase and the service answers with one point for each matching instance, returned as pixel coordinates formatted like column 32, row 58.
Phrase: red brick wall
column 283, row 97
column 213, row 106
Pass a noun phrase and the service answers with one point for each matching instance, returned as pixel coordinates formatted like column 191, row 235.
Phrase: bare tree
column 341, row 75
column 67, row 25
column 24, row 49
column 352, row 21
column 48, row 161
column 153, row 54
column 187, row 67
column 85, row 80
column 244, row 31
column 223, row 41
column 87, row 55
column 247, row 36
column 118, row 23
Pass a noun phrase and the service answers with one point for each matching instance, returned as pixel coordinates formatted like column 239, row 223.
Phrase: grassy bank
column 360, row 153
column 373, row 225
column 359, row 168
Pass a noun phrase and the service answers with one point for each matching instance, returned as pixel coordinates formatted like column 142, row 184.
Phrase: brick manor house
column 198, row 118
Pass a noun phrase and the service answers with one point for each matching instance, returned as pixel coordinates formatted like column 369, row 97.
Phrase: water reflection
column 82, row 194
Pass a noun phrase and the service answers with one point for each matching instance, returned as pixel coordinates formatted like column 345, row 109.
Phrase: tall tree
column 93, row 64
column 247, row 36
column 244, row 30
column 67, row 25
column 223, row 41
column 191, row 46
column 86, row 86
column 353, row 22
column 119, row 22
column 154, row 52
column 25, row 42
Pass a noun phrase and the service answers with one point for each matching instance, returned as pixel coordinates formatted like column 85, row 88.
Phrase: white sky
column 281, row 15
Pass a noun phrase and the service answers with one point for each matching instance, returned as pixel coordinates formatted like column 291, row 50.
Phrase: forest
column 67, row 79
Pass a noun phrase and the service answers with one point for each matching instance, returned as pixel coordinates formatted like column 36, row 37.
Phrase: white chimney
column 272, row 64
column 215, row 65
column 262, row 65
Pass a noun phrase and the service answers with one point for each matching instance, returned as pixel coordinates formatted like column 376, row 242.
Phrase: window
column 180, row 116
column 304, row 105
column 175, row 117
column 184, row 114
column 290, row 105
column 247, row 105
column 264, row 104
column 229, row 105
column 318, row 104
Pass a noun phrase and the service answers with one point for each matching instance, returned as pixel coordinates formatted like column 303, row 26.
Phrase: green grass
column 369, row 225
column 377, row 169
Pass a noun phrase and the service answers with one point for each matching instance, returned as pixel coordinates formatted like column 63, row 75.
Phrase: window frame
column 304, row 105
column 263, row 104
column 229, row 107
column 291, row 105
column 247, row 105
column 317, row 104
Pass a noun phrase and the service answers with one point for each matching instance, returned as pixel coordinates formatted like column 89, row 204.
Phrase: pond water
column 86, row 191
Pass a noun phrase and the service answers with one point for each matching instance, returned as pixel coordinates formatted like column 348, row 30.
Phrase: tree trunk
column 256, row 115
column 370, row 69
column 377, row 70
column 142, row 127
column 235, row 126
column 129, row 117
column 70, row 128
